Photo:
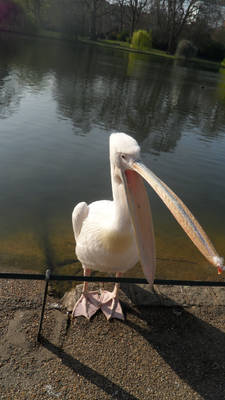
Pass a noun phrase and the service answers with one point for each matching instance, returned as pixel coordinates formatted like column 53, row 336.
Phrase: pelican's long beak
column 181, row 213
column 142, row 221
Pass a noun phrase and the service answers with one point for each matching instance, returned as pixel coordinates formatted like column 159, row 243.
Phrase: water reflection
column 149, row 100
column 58, row 105
column 10, row 93
column 221, row 86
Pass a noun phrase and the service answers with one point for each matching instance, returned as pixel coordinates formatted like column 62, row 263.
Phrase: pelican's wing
column 79, row 214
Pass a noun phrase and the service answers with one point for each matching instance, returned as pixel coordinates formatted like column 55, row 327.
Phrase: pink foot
column 110, row 305
column 87, row 305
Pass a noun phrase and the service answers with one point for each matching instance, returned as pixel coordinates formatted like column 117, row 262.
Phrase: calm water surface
column 58, row 105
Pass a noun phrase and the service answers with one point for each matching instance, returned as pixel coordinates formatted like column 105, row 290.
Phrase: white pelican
column 111, row 236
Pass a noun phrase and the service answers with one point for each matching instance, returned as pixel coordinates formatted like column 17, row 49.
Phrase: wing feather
column 79, row 214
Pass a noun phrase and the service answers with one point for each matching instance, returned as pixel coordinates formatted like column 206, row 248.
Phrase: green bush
column 141, row 40
column 112, row 36
column 213, row 50
column 223, row 63
column 186, row 49
column 122, row 36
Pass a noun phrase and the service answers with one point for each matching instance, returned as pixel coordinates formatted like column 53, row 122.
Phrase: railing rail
column 78, row 278
column 48, row 276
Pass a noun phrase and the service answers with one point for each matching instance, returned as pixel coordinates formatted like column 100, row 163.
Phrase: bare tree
column 97, row 9
column 179, row 13
column 33, row 7
column 136, row 8
column 212, row 13
column 130, row 12
column 122, row 7
column 37, row 4
column 173, row 15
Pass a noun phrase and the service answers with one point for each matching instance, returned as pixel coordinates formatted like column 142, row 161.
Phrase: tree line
column 200, row 21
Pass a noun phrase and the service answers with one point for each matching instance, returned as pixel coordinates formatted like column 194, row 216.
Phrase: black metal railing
column 48, row 276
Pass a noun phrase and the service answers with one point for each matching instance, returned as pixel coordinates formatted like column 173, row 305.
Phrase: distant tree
column 32, row 8
column 72, row 18
column 9, row 12
column 37, row 5
column 171, row 16
column 96, row 9
column 211, row 12
column 186, row 49
column 136, row 8
column 130, row 13
column 141, row 40
column 122, row 9
column 207, row 30
column 179, row 12
column 15, row 17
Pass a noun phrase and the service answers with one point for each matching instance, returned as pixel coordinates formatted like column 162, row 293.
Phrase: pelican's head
column 124, row 159
column 123, row 150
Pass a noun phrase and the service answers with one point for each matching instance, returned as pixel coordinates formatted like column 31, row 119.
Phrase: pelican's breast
column 103, row 246
column 116, row 242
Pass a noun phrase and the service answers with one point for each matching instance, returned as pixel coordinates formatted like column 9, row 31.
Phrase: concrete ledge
column 160, row 295
column 163, row 295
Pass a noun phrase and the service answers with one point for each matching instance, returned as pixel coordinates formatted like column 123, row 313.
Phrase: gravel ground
column 157, row 353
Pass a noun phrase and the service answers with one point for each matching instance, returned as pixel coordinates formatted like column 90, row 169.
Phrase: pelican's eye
column 123, row 156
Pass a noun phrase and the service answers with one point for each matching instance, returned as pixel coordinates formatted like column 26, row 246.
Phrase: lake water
column 58, row 105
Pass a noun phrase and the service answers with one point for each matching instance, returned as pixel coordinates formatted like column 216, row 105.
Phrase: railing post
column 47, row 278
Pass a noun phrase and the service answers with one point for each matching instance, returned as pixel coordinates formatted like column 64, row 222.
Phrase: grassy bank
column 50, row 34
column 123, row 46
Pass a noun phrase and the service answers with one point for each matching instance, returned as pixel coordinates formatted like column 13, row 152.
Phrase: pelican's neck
column 122, row 215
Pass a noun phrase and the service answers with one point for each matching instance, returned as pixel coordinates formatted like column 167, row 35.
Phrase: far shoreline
column 122, row 46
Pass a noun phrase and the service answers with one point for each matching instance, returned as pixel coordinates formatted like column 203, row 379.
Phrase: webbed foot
column 110, row 305
column 87, row 305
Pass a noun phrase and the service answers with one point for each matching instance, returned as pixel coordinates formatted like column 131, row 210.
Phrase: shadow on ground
column 193, row 348
column 88, row 373
column 187, row 341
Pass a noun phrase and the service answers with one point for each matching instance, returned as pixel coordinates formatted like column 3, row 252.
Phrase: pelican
column 112, row 236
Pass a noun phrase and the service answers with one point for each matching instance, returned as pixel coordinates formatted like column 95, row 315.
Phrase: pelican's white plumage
column 103, row 230
column 100, row 244
column 111, row 236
